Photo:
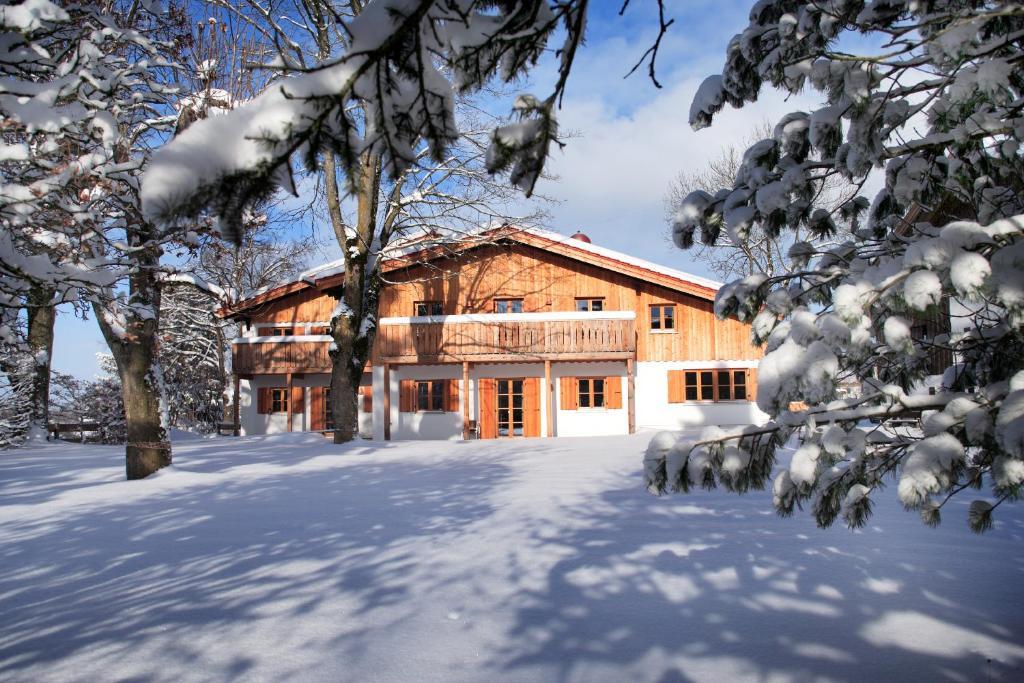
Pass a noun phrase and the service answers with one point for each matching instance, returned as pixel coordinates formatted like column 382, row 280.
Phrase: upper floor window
column 282, row 331
column 508, row 305
column 589, row 304
column 421, row 308
column 430, row 394
column 590, row 392
column 663, row 317
column 279, row 400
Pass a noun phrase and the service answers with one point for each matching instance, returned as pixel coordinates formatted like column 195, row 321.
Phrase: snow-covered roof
column 625, row 258
column 406, row 249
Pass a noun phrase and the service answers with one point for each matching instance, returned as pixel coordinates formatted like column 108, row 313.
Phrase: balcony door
column 509, row 407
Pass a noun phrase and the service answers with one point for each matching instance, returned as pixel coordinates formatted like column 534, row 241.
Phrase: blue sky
column 631, row 138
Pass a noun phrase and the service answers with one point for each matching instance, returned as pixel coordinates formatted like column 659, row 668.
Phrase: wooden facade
column 530, row 300
column 471, row 283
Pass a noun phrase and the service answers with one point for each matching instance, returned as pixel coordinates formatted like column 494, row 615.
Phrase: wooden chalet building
column 516, row 333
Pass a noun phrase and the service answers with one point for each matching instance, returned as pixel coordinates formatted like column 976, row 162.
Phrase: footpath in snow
column 288, row 558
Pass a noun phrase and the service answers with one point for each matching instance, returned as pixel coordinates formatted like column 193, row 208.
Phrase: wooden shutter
column 676, row 386
column 296, row 400
column 752, row 384
column 531, row 406
column 407, row 396
column 452, row 396
column 263, row 400
column 613, row 393
column 317, row 408
column 367, row 393
column 488, row 408
column 568, row 398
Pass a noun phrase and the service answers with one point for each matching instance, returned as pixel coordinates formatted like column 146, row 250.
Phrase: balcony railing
column 507, row 337
column 279, row 355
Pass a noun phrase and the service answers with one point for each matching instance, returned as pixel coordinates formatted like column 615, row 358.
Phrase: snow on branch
column 923, row 304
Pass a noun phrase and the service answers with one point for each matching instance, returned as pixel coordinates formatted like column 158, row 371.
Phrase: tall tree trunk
column 41, row 315
column 133, row 343
column 353, row 340
column 147, row 449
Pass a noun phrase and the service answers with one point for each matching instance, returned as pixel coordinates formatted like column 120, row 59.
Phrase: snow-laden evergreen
column 192, row 356
column 937, row 108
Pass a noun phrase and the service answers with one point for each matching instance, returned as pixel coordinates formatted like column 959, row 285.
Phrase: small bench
column 232, row 429
column 57, row 428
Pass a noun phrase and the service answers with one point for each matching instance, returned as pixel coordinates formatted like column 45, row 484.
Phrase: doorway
column 510, row 408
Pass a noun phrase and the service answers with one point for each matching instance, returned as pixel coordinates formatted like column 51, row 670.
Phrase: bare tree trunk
column 352, row 341
column 134, row 347
column 147, row 449
column 41, row 316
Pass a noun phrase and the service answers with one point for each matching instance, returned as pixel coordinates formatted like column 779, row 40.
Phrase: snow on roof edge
column 409, row 246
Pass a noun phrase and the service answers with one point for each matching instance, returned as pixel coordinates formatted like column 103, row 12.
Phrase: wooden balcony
column 507, row 337
column 280, row 355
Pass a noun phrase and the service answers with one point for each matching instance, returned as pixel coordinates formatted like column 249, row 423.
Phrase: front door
column 509, row 407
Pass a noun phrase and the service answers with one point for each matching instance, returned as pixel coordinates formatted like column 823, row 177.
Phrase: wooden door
column 488, row 408
column 531, row 406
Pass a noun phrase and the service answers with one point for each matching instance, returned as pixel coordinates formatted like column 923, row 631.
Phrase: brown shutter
column 568, row 398
column 263, row 400
column 367, row 394
column 452, row 396
column 296, row 400
column 488, row 408
column 752, row 384
column 531, row 406
column 676, row 386
column 317, row 408
column 407, row 396
column 613, row 393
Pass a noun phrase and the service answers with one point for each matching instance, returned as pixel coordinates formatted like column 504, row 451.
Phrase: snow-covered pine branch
column 939, row 109
column 404, row 65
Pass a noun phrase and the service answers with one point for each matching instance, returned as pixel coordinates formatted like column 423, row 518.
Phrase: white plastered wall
column 276, row 423
column 590, row 421
column 585, row 422
column 654, row 410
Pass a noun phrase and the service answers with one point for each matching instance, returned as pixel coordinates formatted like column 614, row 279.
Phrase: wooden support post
column 631, row 393
column 289, row 402
column 465, row 400
column 549, row 414
column 387, row 402
column 235, row 409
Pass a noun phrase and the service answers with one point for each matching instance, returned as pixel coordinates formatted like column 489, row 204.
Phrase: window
column 279, row 400
column 590, row 304
column 508, row 305
column 277, row 331
column 421, row 308
column 591, row 392
column 663, row 317
column 707, row 385
column 430, row 394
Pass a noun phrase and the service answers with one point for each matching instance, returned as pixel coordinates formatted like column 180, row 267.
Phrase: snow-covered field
column 287, row 558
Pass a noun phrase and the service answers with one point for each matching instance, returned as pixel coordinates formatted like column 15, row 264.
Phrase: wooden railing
column 278, row 357
column 505, row 338
column 454, row 339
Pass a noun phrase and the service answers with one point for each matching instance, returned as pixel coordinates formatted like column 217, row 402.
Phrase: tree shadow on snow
column 218, row 542
column 712, row 586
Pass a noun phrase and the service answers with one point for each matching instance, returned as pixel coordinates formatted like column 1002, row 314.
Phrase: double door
column 509, row 407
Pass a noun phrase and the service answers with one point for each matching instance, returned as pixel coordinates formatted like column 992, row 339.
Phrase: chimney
column 581, row 236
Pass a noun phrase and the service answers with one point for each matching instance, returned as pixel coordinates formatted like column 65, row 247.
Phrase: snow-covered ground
column 287, row 558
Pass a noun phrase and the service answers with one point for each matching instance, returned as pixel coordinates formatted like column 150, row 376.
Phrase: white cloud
column 612, row 179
